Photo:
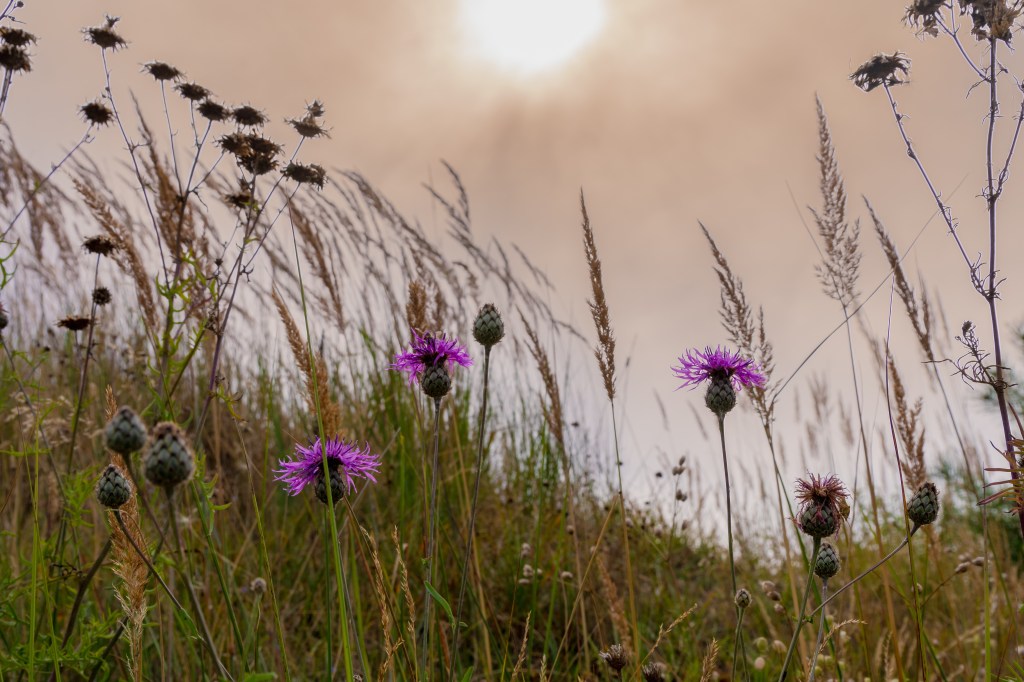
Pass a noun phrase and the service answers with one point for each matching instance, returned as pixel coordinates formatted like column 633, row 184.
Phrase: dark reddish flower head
column 696, row 367
column 823, row 505
column 351, row 462
column 430, row 351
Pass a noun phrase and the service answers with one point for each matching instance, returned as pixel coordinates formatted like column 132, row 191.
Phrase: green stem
column 428, row 565
column 468, row 557
column 821, row 628
column 728, row 501
column 736, row 643
column 803, row 610
column 864, row 574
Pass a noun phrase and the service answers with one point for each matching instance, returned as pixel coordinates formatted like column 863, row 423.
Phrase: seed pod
column 742, row 598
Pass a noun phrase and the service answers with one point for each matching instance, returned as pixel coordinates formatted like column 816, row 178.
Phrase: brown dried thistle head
column 101, row 245
column 249, row 116
column 193, row 92
column 104, row 36
column 306, row 174
column 16, row 36
column 924, row 15
column 162, row 71
column 993, row 19
column 213, row 111
column 882, row 69
column 14, row 58
column 96, row 113
column 74, row 323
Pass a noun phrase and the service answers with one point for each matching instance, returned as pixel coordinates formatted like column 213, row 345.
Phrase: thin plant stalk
column 428, row 564
column 149, row 565
column 821, row 629
column 204, row 629
column 803, row 610
column 625, row 540
column 728, row 501
column 903, row 543
column 736, row 644
column 472, row 516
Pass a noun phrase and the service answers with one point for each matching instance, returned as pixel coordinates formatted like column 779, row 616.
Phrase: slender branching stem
column 204, row 629
column 428, row 564
column 468, row 556
column 821, row 629
column 84, row 375
column 803, row 609
column 894, row 552
column 145, row 560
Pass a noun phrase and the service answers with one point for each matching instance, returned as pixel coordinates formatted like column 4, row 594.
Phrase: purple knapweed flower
column 430, row 351
column 348, row 460
column 697, row 366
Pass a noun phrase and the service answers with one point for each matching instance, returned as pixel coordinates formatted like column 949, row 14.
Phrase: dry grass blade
column 708, row 665
column 132, row 570
column 910, row 428
column 605, row 350
column 553, row 408
column 317, row 255
column 410, row 604
column 522, row 647
column 839, row 270
column 664, row 631
column 616, row 611
column 416, row 307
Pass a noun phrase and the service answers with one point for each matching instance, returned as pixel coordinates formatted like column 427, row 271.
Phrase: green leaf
column 259, row 677
column 440, row 600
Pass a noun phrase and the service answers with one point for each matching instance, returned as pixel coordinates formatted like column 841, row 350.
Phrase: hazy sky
column 678, row 110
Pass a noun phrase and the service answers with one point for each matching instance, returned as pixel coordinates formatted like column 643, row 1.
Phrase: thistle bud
column 169, row 461
column 337, row 483
column 742, row 598
column 827, row 564
column 125, row 432
column 923, row 507
column 113, row 488
column 436, row 381
column 488, row 329
column 721, row 396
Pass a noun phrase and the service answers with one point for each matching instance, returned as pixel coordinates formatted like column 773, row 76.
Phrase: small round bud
column 742, row 598
column 923, row 507
column 169, row 460
column 488, row 329
column 113, row 488
column 125, row 432
column 827, row 564
column 616, row 657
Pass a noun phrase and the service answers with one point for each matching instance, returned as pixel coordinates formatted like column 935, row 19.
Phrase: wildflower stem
column 878, row 563
column 736, row 643
column 204, row 629
column 821, row 629
column 468, row 557
column 728, row 501
column 428, row 565
column 803, row 609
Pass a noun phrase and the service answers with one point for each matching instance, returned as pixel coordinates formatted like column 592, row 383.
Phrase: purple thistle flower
column 350, row 462
column 697, row 366
column 430, row 351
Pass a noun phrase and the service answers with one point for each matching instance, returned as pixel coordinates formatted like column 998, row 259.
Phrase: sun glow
column 531, row 35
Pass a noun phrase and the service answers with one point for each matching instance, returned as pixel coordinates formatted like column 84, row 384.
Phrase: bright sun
column 531, row 35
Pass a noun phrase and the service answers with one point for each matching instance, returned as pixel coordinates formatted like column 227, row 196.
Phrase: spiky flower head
column 192, row 91
column 16, row 36
column 125, row 432
column 430, row 359
column 100, row 245
column 104, row 36
column 346, row 463
column 742, row 598
column 488, row 328
column 162, row 71
column 101, row 296
column 96, row 113
column 822, row 503
column 881, row 70
column 616, row 657
column 113, row 489
column 653, row 672
column 248, row 115
column 924, row 15
column 169, row 460
column 827, row 564
column 923, row 507
column 306, row 174
column 725, row 372
column 14, row 58
column 213, row 111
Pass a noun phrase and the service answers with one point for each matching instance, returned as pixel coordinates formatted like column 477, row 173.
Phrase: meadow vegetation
column 375, row 499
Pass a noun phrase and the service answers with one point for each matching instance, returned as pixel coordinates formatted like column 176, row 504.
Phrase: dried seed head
column 653, row 672
column 742, row 598
column 616, row 657
column 488, row 328
column 827, row 564
column 924, row 15
column 4, row 320
column 96, row 113
column 74, row 323
column 162, row 71
column 992, row 18
column 307, row 126
column 16, row 36
column 104, row 36
column 113, row 489
column 14, row 58
column 213, row 111
column 234, row 143
column 193, row 92
column 101, row 296
column 247, row 115
column 242, row 199
column 315, row 109
column 881, row 70
column 923, row 507
column 100, row 245
column 308, row 174
column 258, row 585
column 681, row 496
